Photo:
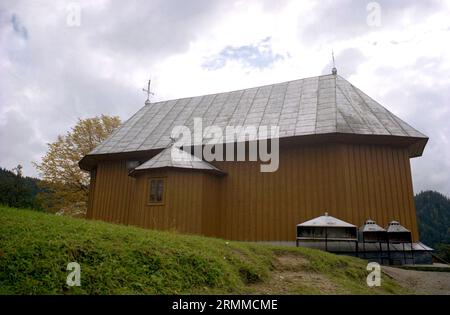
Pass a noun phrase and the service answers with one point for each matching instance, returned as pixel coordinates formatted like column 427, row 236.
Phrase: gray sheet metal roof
column 316, row 105
column 181, row 159
column 395, row 227
column 371, row 226
column 326, row 221
column 421, row 246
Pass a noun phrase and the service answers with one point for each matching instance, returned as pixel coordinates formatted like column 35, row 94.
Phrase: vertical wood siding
column 113, row 193
column 350, row 182
column 182, row 208
column 91, row 194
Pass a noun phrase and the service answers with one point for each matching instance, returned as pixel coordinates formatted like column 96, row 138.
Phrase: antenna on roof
column 149, row 92
column 172, row 140
column 334, row 70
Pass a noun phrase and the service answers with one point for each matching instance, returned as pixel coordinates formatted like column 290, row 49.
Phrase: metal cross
column 148, row 91
column 332, row 56
column 334, row 70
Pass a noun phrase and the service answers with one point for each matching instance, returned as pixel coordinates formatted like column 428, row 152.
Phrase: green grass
column 35, row 249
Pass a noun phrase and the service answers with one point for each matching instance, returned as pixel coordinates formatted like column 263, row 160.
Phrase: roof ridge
column 243, row 89
column 299, row 105
column 108, row 139
column 355, row 110
column 367, row 105
column 139, row 119
column 146, row 138
column 335, row 100
column 395, row 117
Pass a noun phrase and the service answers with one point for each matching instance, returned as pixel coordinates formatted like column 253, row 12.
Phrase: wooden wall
column 112, row 194
column 350, row 182
column 211, row 204
column 182, row 208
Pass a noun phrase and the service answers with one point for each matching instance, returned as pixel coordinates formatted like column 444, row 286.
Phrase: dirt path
column 421, row 282
column 291, row 275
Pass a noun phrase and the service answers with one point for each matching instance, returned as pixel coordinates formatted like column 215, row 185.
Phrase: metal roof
column 421, row 246
column 317, row 105
column 395, row 227
column 174, row 157
column 371, row 226
column 326, row 221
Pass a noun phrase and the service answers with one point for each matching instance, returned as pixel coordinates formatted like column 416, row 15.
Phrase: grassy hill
column 35, row 249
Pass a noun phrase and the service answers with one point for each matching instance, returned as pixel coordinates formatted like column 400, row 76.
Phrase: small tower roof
column 326, row 221
column 395, row 227
column 173, row 157
column 371, row 226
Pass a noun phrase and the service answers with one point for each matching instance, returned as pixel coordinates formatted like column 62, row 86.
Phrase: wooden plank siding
column 352, row 182
column 182, row 208
column 112, row 193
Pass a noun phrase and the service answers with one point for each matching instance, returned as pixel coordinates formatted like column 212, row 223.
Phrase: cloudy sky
column 57, row 65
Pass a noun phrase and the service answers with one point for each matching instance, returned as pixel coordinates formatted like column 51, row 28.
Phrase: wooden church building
column 340, row 152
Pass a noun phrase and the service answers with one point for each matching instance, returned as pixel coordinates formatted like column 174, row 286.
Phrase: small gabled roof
column 173, row 157
column 326, row 221
column 421, row 246
column 371, row 226
column 326, row 104
column 395, row 227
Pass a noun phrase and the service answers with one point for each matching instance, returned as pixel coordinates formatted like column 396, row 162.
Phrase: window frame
column 149, row 183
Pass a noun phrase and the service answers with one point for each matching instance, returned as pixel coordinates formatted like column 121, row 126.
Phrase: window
column 156, row 191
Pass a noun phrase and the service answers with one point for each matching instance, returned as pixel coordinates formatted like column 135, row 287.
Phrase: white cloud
column 58, row 73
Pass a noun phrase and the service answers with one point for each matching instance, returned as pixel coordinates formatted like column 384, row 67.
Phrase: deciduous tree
column 65, row 186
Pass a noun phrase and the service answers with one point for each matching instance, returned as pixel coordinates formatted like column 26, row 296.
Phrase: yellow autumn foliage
column 65, row 186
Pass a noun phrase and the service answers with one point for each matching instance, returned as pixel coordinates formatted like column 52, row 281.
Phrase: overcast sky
column 56, row 66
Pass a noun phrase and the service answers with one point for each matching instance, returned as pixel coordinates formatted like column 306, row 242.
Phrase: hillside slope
column 35, row 249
